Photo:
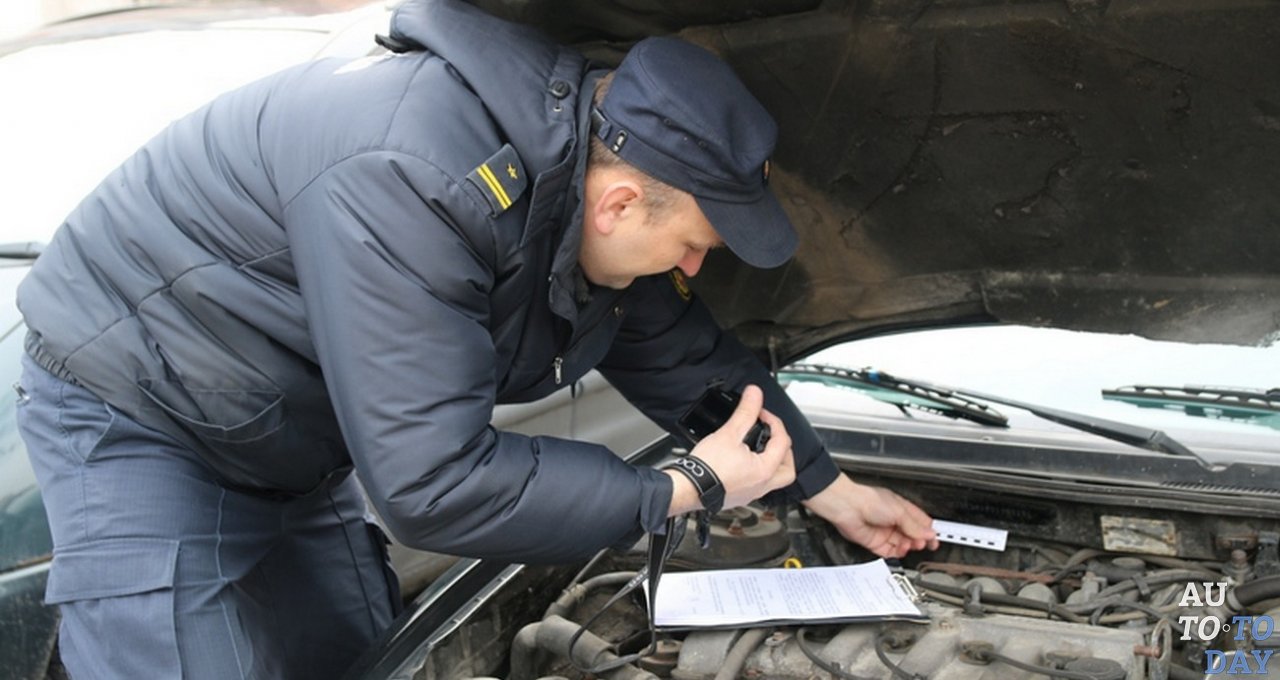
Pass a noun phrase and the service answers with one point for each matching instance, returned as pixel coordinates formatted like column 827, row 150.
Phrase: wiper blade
column 1267, row 401
column 1253, row 406
column 903, row 394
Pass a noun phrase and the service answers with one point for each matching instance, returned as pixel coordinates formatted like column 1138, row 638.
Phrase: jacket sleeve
column 670, row 349
column 395, row 264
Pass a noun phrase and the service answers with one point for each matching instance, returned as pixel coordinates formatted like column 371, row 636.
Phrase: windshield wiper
column 1134, row 435
column 904, row 395
column 1238, row 404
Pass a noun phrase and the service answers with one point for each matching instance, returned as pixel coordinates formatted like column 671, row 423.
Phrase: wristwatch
column 710, row 489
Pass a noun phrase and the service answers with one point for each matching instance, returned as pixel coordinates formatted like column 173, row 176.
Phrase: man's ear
column 620, row 201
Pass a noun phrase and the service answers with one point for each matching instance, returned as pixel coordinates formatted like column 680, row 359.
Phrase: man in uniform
column 346, row 265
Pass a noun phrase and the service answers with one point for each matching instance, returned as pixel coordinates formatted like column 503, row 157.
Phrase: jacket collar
column 514, row 69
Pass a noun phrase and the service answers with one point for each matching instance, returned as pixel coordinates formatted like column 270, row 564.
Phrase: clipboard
column 732, row 598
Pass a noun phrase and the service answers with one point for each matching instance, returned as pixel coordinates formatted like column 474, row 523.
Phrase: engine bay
column 1096, row 582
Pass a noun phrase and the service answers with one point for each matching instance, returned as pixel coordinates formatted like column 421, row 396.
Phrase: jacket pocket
column 250, row 440
column 242, row 436
column 228, row 416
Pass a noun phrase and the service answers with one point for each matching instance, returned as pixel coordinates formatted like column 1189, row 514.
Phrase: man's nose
column 692, row 262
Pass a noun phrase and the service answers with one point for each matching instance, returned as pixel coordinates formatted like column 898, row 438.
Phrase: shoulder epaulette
column 500, row 179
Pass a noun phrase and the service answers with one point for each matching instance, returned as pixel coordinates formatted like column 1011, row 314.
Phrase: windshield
column 1062, row 370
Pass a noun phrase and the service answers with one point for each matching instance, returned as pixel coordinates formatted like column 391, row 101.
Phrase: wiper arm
column 902, row 394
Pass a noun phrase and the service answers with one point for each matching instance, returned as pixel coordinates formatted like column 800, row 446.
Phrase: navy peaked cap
column 679, row 113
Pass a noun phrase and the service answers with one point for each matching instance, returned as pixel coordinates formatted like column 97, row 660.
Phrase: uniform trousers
column 161, row 572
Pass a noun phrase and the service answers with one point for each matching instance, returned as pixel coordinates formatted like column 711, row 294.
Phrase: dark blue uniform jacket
column 352, row 262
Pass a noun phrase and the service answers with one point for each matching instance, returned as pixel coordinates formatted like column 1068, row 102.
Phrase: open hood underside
column 1108, row 165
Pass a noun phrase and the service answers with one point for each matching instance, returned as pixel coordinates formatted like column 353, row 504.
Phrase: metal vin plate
column 1139, row 535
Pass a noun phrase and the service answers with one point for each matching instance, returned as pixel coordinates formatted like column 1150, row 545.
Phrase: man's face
column 623, row 239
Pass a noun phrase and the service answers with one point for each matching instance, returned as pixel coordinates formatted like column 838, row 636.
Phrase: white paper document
column 734, row 597
column 970, row 534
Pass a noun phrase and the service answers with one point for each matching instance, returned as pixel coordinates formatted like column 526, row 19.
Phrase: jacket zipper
column 557, row 364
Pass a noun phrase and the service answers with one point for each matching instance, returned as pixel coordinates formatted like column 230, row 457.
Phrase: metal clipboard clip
column 905, row 586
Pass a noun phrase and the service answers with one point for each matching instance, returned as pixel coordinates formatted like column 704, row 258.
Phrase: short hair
column 659, row 196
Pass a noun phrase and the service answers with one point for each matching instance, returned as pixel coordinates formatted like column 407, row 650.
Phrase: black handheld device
column 710, row 412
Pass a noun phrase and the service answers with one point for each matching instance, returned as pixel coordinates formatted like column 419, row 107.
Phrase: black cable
column 1126, row 604
column 1158, row 578
column 832, row 668
column 1043, row 670
column 1078, row 559
column 985, row 652
column 1051, row 562
column 622, row 660
column 586, row 568
column 1057, row 610
column 881, row 638
column 670, row 541
column 1176, row 563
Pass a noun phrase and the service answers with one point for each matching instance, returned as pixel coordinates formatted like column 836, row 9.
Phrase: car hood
column 99, row 87
column 1105, row 165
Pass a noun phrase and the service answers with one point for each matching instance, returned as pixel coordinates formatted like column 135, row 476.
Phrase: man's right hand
column 746, row 475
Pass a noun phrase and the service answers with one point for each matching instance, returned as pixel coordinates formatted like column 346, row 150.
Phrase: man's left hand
column 877, row 519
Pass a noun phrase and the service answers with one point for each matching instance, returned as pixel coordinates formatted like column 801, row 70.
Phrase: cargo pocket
column 115, row 595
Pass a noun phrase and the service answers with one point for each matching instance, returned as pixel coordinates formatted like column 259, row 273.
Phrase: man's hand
column 746, row 475
column 877, row 519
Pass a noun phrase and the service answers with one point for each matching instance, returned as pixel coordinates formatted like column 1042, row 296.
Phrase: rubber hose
column 737, row 656
column 1265, row 588
column 574, row 595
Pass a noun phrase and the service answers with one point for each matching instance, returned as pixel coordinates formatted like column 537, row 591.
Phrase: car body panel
column 99, row 96
column 28, row 629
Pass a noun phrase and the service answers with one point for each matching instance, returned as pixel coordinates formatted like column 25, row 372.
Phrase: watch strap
column 704, row 479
